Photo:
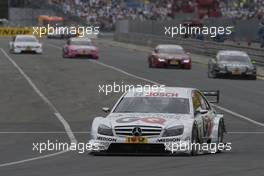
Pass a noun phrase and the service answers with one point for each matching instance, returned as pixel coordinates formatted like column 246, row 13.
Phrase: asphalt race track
column 70, row 88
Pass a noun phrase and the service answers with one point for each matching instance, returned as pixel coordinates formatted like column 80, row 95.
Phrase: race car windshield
column 153, row 105
column 171, row 50
column 82, row 43
column 234, row 58
column 26, row 39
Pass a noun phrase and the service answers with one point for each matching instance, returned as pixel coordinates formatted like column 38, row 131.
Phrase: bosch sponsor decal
column 106, row 139
column 161, row 94
column 150, row 120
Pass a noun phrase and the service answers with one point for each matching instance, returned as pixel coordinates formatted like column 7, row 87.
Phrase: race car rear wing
column 213, row 96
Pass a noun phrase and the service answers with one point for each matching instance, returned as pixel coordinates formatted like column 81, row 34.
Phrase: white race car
column 25, row 43
column 151, row 122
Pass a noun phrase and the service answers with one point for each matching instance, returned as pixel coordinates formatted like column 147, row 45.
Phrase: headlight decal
column 173, row 131
column 105, row 130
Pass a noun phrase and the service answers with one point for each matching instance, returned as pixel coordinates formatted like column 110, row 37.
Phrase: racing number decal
column 136, row 140
column 151, row 120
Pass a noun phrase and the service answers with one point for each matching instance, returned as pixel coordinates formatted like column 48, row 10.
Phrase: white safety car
column 151, row 122
column 25, row 43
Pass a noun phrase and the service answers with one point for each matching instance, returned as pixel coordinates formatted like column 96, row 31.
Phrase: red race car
column 169, row 56
column 77, row 47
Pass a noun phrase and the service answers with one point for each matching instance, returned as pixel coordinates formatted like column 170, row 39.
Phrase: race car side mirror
column 106, row 110
column 202, row 111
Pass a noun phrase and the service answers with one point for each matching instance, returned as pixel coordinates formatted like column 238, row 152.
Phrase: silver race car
column 25, row 43
column 151, row 122
column 236, row 63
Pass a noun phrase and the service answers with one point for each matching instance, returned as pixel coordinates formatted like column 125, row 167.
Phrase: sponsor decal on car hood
column 146, row 119
column 172, row 56
column 27, row 44
column 83, row 47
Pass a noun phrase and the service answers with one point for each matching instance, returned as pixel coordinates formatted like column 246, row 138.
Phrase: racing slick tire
column 194, row 140
column 211, row 74
column 253, row 77
column 150, row 64
column 11, row 51
column 220, row 134
column 64, row 55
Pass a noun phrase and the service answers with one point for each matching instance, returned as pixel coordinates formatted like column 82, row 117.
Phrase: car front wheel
column 64, row 55
column 211, row 73
column 220, row 135
column 150, row 63
column 194, row 141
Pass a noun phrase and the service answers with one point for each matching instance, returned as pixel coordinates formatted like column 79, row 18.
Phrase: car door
column 207, row 116
column 198, row 116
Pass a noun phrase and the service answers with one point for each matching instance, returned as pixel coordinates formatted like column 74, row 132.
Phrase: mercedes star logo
column 137, row 131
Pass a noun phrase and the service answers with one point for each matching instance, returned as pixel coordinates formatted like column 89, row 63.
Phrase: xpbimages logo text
column 79, row 147
column 81, row 31
column 122, row 88
column 175, row 147
column 211, row 31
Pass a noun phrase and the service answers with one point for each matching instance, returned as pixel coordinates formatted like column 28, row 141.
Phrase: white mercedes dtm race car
column 151, row 122
column 25, row 43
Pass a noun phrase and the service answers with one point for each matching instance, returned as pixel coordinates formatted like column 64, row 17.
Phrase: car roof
column 232, row 52
column 169, row 46
column 80, row 39
column 180, row 92
column 25, row 36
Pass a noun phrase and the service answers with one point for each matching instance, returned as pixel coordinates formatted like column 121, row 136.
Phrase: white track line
column 44, row 98
column 51, row 106
column 239, row 115
column 147, row 80
column 33, row 159
column 126, row 73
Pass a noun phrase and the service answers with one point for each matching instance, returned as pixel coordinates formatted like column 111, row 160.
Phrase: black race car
column 235, row 63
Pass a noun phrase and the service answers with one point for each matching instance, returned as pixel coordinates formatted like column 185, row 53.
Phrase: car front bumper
column 166, row 145
column 235, row 73
column 20, row 50
column 82, row 54
column 173, row 63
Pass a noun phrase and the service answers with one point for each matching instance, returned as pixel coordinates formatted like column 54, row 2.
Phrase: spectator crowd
column 242, row 9
column 106, row 12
